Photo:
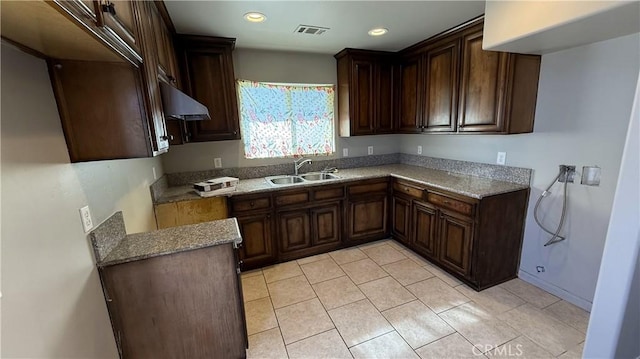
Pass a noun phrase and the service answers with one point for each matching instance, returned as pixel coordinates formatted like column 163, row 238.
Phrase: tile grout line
column 328, row 315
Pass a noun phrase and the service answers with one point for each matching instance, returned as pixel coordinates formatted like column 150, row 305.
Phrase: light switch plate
column 419, row 150
column 87, row 222
column 345, row 152
column 502, row 158
column 370, row 150
column 217, row 162
column 155, row 175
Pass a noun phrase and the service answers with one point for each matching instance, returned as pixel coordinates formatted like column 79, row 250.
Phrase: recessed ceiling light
column 379, row 31
column 255, row 17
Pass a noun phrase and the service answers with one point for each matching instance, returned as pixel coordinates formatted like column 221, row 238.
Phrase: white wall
column 548, row 26
column 584, row 102
column 615, row 320
column 272, row 66
column 52, row 305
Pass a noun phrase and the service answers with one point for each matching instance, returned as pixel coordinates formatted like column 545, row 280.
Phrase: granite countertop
column 471, row 186
column 138, row 246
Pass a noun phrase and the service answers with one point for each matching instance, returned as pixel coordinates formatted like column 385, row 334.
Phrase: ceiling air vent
column 311, row 30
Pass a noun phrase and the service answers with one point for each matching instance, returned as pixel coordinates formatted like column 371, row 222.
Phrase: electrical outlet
column 85, row 215
column 155, row 175
column 502, row 158
column 345, row 152
column 370, row 150
column 419, row 150
column 217, row 162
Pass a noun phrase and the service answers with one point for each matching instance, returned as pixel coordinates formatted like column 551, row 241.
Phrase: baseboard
column 555, row 290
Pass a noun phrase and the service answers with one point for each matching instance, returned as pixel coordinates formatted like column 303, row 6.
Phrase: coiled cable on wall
column 556, row 235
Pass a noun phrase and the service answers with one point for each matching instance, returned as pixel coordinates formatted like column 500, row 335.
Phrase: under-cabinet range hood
column 179, row 105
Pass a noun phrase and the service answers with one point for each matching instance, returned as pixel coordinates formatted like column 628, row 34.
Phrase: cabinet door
column 157, row 126
column 118, row 17
column 257, row 240
column 362, row 102
column 208, row 76
column 325, row 224
column 164, row 45
column 409, row 116
column 441, row 92
column 180, row 305
column 96, row 129
column 482, row 86
column 294, row 230
column 424, row 239
column 367, row 217
column 455, row 243
column 384, row 97
column 401, row 217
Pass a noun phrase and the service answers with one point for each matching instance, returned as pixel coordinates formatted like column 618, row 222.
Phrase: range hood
column 179, row 105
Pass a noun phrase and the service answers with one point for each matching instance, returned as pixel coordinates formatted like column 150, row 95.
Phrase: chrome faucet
column 299, row 162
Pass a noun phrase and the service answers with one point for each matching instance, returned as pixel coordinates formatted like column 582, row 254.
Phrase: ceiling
column 408, row 22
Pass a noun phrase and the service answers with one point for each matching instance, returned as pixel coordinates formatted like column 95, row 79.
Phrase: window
column 286, row 120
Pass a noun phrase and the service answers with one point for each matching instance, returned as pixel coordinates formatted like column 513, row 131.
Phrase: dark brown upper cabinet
column 167, row 62
column 429, row 88
column 498, row 89
column 444, row 84
column 206, row 65
column 365, row 92
column 95, row 128
column 112, row 110
column 119, row 19
column 410, row 93
column 439, row 108
column 450, row 84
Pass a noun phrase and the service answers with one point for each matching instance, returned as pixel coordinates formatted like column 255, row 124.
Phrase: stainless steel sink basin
column 283, row 180
column 318, row 176
column 307, row 177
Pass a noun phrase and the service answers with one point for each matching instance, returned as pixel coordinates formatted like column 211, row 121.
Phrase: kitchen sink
column 318, row 176
column 282, row 180
column 307, row 177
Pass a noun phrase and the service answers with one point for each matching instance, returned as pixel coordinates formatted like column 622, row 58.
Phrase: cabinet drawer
column 410, row 190
column 292, row 198
column 328, row 193
column 450, row 203
column 250, row 204
column 368, row 188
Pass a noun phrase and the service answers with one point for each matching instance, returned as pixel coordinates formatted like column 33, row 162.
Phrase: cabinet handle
column 171, row 78
column 252, row 204
column 58, row 66
column 235, row 132
column 446, row 202
column 406, row 189
column 240, row 263
column 110, row 8
column 167, row 138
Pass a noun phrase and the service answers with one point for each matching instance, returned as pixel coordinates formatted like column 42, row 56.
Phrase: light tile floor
column 381, row 300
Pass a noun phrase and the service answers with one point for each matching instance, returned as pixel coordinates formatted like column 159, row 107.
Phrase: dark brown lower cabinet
column 182, row 305
column 401, row 219
column 367, row 211
column 477, row 240
column 308, row 231
column 424, row 240
column 325, row 224
column 367, row 218
column 455, row 243
column 258, row 247
column 294, row 231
